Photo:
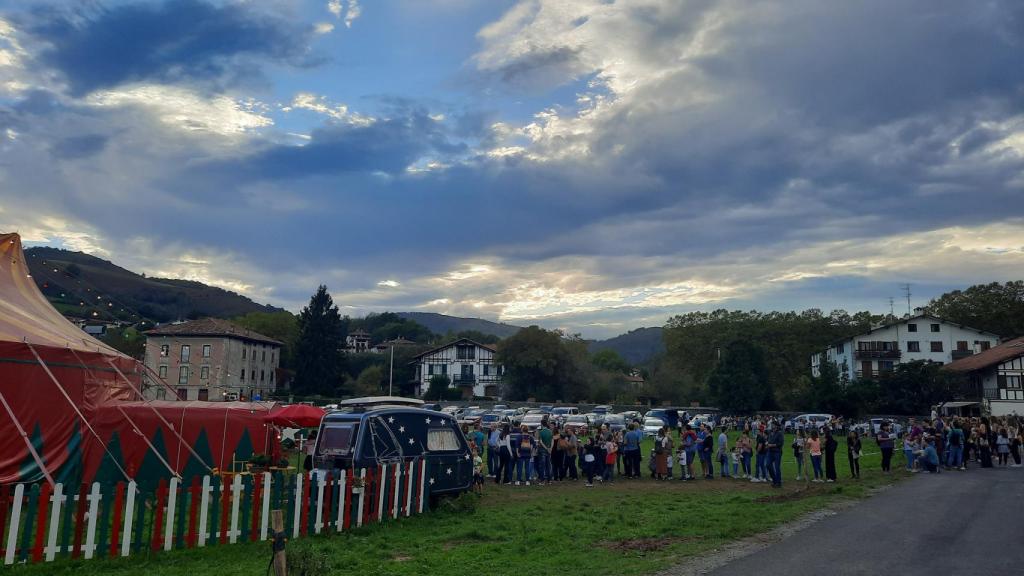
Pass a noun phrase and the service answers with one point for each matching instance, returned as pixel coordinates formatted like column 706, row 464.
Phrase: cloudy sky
column 585, row 164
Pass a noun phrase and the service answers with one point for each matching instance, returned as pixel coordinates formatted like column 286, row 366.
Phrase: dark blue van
column 368, row 432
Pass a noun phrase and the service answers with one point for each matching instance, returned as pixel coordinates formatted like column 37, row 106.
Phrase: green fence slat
column 29, row 514
column 289, row 507
column 246, row 508
column 139, row 524
column 67, row 523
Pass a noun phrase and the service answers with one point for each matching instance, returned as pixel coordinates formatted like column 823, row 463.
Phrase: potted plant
column 259, row 463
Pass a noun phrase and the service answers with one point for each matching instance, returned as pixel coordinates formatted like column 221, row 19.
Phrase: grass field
column 627, row 527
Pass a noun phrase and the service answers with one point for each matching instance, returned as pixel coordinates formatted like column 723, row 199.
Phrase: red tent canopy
column 296, row 416
column 53, row 377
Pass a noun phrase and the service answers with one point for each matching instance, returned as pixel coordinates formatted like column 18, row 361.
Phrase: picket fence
column 42, row 523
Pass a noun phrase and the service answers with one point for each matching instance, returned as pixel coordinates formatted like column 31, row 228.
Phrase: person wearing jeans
column 776, row 440
column 493, row 457
column 524, row 464
column 886, row 445
column 955, row 453
column 814, row 449
column 723, row 453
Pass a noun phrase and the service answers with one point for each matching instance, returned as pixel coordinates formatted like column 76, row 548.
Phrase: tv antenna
column 906, row 290
column 892, row 311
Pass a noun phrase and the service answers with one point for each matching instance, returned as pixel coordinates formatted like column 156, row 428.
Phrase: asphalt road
column 934, row 524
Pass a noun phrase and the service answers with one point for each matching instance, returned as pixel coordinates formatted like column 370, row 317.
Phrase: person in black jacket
column 853, row 453
column 830, row 455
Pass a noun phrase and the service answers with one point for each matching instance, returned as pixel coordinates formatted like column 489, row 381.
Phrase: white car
column 652, row 425
column 808, row 422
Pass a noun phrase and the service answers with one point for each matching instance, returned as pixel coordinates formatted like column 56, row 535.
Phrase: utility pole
column 906, row 290
column 391, row 371
column 892, row 311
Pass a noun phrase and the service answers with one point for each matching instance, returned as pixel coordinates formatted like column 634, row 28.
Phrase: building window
column 961, row 346
column 935, row 327
column 885, row 365
column 204, row 394
column 841, row 349
column 241, row 375
column 487, row 369
column 163, row 372
column 204, row 373
column 263, row 356
column 263, row 375
column 182, row 393
column 161, row 394
column 936, row 346
column 186, row 352
column 271, row 376
column 206, row 350
column 243, row 352
column 911, row 327
column 465, row 352
column 165, row 350
column 985, row 345
column 913, row 346
column 183, row 375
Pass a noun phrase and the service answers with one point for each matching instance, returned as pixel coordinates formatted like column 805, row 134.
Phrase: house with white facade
column 920, row 337
column 997, row 374
column 468, row 365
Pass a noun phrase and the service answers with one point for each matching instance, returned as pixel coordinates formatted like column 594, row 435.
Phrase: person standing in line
column 544, row 444
column 493, row 449
column 688, row 443
column 617, row 438
column 814, row 450
column 761, row 457
column 706, row 450
column 1003, row 447
column 557, row 454
column 723, row 453
column 853, row 453
column 830, row 456
column 669, row 448
column 572, row 452
column 524, row 464
column 776, row 441
column 631, row 451
column 743, row 444
column 955, row 438
column 610, row 454
column 798, row 452
column 660, row 458
column 1016, row 444
column 506, row 456
column 885, row 444
column 589, row 459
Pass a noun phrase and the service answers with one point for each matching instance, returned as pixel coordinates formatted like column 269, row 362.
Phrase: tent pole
column 170, row 426
column 75, row 408
column 28, row 441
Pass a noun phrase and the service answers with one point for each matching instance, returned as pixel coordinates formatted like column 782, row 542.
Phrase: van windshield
column 337, row 439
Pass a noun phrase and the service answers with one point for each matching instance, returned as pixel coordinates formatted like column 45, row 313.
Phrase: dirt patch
column 452, row 544
column 643, row 545
column 401, row 558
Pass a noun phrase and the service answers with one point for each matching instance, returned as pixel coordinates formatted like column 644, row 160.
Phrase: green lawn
column 628, row 527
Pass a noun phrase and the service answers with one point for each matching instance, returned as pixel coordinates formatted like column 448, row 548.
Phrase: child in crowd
column 736, row 461
column 478, row 472
column 684, row 470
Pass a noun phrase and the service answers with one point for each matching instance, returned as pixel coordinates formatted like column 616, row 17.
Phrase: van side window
column 442, row 439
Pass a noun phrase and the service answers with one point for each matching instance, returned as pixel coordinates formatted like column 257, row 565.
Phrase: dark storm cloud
column 188, row 41
column 79, row 147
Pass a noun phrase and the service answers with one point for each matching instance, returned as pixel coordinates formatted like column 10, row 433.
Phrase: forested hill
column 442, row 324
column 80, row 285
column 636, row 346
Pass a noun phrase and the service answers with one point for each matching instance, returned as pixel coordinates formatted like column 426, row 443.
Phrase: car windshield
column 561, row 410
column 653, row 422
column 576, row 420
column 490, row 418
column 533, row 418
column 336, row 439
column 614, row 419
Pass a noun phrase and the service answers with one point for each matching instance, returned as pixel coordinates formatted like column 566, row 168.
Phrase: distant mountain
column 636, row 346
column 82, row 285
column 441, row 324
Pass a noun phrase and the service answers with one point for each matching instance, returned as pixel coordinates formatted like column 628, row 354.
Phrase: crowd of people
column 551, row 453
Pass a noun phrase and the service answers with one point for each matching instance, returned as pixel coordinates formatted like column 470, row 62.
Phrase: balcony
column 464, row 380
column 958, row 354
column 872, row 374
column 875, row 350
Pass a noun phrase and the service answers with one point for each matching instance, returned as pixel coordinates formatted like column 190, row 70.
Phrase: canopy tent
column 296, row 416
column 53, row 377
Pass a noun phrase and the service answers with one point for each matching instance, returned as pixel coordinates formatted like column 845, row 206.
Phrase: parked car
column 532, row 421
column 435, row 407
column 876, row 426
column 471, row 417
column 546, row 408
column 652, row 425
column 701, row 419
column 372, row 435
column 488, row 419
column 807, row 422
column 671, row 416
column 577, row 423
column 602, row 409
column 595, row 418
column 499, row 407
column 615, row 422
column 633, row 416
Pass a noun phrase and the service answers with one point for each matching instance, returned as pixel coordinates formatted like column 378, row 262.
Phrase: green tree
column 543, row 364
column 739, row 383
column 282, row 326
column 437, row 389
column 914, row 387
column 369, row 382
column 318, row 358
column 126, row 340
column 995, row 307
column 610, row 360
